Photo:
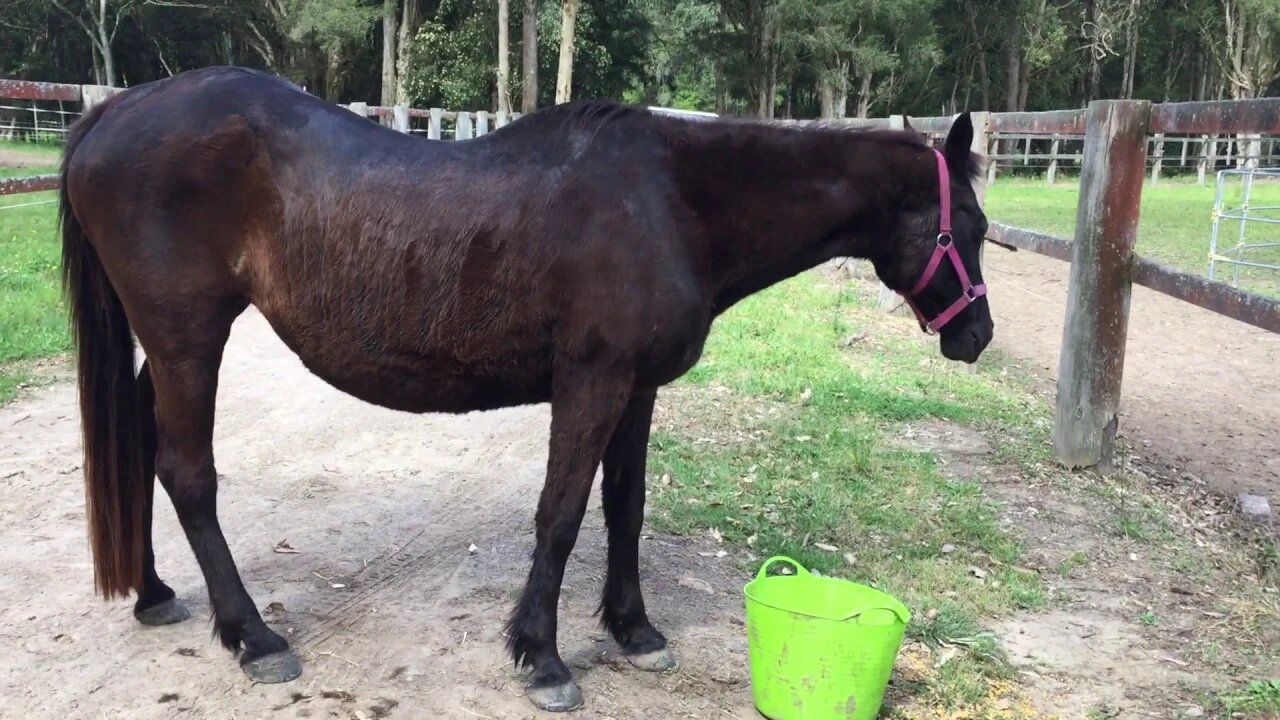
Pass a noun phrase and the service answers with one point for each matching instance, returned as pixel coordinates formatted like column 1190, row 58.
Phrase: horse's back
column 414, row 274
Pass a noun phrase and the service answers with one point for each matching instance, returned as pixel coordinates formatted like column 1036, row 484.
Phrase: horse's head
column 934, row 259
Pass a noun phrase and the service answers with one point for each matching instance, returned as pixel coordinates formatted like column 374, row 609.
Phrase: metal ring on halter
column 946, row 235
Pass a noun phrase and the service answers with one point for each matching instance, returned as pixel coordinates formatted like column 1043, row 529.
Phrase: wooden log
column 1091, row 363
column 433, row 128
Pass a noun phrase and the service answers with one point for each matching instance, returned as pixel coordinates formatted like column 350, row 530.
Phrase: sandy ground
column 1200, row 394
column 383, row 602
column 16, row 158
column 394, row 617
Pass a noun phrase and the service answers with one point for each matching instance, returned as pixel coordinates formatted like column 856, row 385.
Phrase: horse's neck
column 778, row 202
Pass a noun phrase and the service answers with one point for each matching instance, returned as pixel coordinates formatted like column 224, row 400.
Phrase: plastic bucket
column 820, row 648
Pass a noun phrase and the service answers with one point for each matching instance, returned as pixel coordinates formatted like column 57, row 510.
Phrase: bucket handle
column 764, row 569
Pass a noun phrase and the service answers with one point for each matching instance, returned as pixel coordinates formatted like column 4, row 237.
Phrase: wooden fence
column 435, row 123
column 1104, row 266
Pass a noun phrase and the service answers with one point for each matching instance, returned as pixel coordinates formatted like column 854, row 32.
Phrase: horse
column 578, row 256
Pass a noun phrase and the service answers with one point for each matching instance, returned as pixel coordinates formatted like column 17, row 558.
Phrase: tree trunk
column 104, row 44
column 984, row 77
column 722, row 83
column 504, row 57
column 388, row 52
column 404, row 49
column 1094, row 66
column 564, row 73
column 1130, row 51
column 529, row 57
column 333, row 76
column 864, row 95
column 1013, row 70
column 826, row 97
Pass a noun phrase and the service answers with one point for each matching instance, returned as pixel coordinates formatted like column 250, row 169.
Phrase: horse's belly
column 418, row 381
column 435, row 384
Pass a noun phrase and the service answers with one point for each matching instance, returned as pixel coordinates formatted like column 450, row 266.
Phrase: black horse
column 578, row 256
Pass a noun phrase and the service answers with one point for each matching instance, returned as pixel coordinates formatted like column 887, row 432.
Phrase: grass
column 1174, row 227
column 819, row 469
column 1258, row 699
column 32, row 317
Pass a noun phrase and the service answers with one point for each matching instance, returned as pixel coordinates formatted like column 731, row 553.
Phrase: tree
column 504, row 59
column 100, row 21
column 564, row 72
column 1249, row 45
column 529, row 57
column 389, row 52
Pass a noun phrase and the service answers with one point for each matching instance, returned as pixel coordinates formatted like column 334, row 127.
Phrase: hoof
column 556, row 698
column 277, row 667
column 656, row 661
column 166, row 613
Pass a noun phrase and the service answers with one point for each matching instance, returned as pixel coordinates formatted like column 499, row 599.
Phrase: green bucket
column 820, row 648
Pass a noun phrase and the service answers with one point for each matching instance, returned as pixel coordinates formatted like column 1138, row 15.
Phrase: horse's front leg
column 622, row 605
column 585, row 406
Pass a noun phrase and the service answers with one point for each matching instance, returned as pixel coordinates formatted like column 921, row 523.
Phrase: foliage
column 799, row 58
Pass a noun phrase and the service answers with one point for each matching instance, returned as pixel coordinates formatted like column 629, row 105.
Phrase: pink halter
column 946, row 247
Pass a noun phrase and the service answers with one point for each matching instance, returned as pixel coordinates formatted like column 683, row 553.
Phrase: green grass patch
column 828, row 477
column 1258, row 699
column 1174, row 227
column 33, row 321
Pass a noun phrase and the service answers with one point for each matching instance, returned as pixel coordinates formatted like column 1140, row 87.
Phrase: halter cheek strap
column 945, row 247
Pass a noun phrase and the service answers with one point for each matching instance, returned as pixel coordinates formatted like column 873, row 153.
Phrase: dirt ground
column 393, row 616
column 389, row 611
column 16, row 158
column 1200, row 394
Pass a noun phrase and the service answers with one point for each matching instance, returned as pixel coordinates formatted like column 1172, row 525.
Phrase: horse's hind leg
column 156, row 603
column 622, row 606
column 185, row 373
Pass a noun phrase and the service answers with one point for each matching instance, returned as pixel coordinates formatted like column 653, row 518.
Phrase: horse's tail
column 111, row 413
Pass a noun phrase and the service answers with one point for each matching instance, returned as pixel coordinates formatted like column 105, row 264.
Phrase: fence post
column 501, row 119
column 482, row 122
column 433, row 126
column 462, row 126
column 91, row 95
column 992, row 151
column 400, row 118
column 1155, row 167
column 981, row 136
column 1091, row 363
column 1053, row 161
column 888, row 299
column 359, row 108
column 1026, row 154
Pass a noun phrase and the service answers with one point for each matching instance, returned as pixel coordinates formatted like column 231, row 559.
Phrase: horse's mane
column 583, row 114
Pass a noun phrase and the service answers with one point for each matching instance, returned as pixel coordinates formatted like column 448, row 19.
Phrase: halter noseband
column 946, row 247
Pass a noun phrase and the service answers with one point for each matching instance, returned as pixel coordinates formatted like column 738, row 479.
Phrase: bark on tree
column 529, row 57
column 504, row 57
column 389, row 52
column 408, row 27
column 564, row 73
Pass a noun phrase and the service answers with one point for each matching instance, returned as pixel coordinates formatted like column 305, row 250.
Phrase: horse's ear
column 906, row 124
column 959, row 140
